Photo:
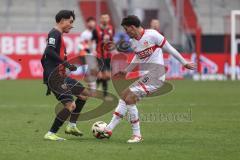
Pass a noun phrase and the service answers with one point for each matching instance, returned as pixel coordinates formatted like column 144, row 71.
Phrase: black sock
column 105, row 87
column 98, row 81
column 76, row 112
column 61, row 117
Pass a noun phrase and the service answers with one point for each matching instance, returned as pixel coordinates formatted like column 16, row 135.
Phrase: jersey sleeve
column 171, row 50
column 158, row 39
column 53, row 42
column 84, row 36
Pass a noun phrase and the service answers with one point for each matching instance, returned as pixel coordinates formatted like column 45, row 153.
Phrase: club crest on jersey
column 145, row 43
column 51, row 41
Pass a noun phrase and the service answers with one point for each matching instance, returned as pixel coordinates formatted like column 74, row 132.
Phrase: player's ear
column 62, row 21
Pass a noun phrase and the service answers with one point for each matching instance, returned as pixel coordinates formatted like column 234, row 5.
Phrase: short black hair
column 90, row 19
column 104, row 13
column 131, row 20
column 64, row 14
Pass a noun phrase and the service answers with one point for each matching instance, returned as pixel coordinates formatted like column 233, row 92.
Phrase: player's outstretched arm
column 171, row 50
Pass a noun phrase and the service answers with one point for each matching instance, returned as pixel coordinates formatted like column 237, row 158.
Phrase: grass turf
column 209, row 130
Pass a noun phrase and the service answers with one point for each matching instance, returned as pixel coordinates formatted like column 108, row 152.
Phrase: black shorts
column 64, row 88
column 104, row 64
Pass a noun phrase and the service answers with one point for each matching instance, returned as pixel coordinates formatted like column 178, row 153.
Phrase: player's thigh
column 107, row 68
column 129, row 97
column 100, row 64
column 106, row 74
column 146, row 85
column 74, row 86
column 84, row 94
column 66, row 99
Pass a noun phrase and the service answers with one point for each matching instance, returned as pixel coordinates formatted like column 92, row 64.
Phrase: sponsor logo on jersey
column 146, row 53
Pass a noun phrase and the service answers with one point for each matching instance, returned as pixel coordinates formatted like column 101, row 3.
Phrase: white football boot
column 135, row 139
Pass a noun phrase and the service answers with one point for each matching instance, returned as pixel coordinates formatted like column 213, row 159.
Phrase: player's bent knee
column 82, row 97
column 70, row 106
column 85, row 93
column 124, row 94
column 130, row 99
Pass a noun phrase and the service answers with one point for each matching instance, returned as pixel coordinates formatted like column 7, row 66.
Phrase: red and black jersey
column 54, row 54
column 102, row 36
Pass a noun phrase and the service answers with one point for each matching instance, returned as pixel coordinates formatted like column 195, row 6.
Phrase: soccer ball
column 97, row 128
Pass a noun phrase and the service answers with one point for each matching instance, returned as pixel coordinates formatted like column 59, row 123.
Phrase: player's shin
column 119, row 113
column 134, row 119
column 61, row 117
column 105, row 87
column 92, row 86
column 76, row 112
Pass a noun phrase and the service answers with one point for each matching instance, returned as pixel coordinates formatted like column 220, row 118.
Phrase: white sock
column 92, row 85
column 119, row 113
column 72, row 124
column 49, row 132
column 134, row 119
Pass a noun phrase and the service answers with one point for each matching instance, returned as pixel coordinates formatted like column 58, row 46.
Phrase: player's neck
column 59, row 29
column 90, row 28
column 103, row 26
column 140, row 33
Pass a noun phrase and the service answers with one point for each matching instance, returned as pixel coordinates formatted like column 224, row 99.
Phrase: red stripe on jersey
column 62, row 49
column 144, row 87
column 63, row 56
column 163, row 42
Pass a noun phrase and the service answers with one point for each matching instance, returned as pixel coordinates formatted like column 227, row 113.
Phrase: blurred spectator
column 86, row 37
column 155, row 24
column 103, row 36
column 87, row 54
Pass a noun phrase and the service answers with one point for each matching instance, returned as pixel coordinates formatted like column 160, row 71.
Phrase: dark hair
column 64, row 14
column 104, row 13
column 90, row 19
column 131, row 20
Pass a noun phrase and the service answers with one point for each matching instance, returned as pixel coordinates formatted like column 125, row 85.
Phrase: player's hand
column 190, row 65
column 71, row 67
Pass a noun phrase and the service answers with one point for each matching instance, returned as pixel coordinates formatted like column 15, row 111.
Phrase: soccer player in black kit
column 55, row 64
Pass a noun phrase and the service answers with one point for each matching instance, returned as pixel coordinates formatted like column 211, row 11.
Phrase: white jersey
column 86, row 36
column 148, row 49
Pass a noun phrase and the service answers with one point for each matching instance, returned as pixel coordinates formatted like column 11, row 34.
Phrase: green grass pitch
column 208, row 129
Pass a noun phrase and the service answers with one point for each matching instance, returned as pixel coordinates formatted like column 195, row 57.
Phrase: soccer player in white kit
column 147, row 45
column 89, row 48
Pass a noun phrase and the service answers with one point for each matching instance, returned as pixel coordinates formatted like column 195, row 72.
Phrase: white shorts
column 147, row 84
